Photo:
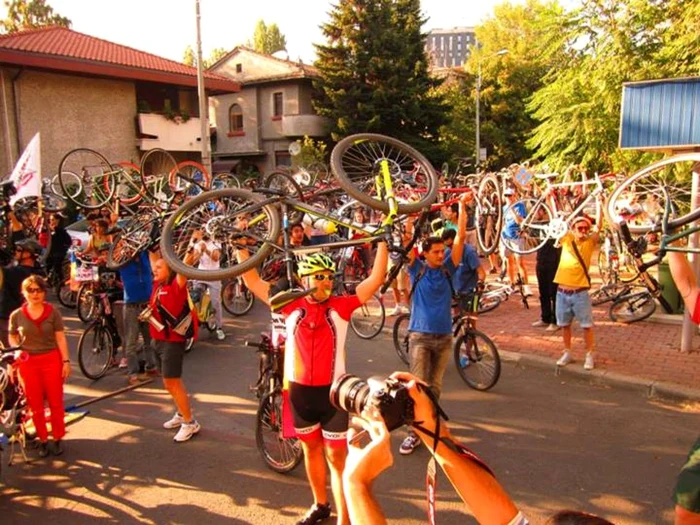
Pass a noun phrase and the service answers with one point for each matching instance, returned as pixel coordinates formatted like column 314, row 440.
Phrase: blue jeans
column 574, row 306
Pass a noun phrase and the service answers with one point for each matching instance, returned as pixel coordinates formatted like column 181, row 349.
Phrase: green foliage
column 30, row 14
column 375, row 74
column 189, row 57
column 312, row 152
column 267, row 39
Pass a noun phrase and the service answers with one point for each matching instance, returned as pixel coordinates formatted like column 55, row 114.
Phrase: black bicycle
column 280, row 454
column 99, row 342
column 14, row 413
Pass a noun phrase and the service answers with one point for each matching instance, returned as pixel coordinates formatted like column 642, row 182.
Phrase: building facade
column 449, row 48
column 255, row 127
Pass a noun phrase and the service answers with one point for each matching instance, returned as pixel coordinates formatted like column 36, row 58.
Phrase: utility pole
column 203, row 104
column 478, row 103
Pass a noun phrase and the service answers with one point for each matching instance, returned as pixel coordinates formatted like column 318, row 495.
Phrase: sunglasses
column 35, row 290
column 583, row 230
column 323, row 277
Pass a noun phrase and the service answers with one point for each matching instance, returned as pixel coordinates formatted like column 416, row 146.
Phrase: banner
column 27, row 172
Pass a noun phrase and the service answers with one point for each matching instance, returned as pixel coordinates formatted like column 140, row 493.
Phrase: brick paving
column 646, row 350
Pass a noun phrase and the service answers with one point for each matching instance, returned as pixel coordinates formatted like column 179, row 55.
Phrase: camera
column 389, row 396
column 147, row 315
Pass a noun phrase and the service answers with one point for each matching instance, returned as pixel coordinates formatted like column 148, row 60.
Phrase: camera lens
column 349, row 393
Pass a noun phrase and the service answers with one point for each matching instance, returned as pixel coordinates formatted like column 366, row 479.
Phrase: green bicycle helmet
column 314, row 263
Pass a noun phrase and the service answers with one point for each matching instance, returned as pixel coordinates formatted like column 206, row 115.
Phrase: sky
column 166, row 27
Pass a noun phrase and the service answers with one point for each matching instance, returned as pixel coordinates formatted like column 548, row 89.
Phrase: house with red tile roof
column 80, row 91
column 256, row 125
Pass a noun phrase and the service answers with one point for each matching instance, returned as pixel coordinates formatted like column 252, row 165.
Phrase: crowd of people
column 447, row 263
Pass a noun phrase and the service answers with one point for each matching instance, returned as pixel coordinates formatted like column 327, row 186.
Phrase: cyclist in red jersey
column 316, row 328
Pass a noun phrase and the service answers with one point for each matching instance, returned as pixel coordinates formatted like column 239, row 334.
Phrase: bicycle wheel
column 279, row 180
column 129, row 185
column 85, row 302
column 71, row 180
column 641, row 198
column 210, row 321
column 357, row 161
column 95, row 351
column 66, row 296
column 633, row 307
column 488, row 303
column 367, row 321
column 477, row 360
column 224, row 180
column 96, row 178
column 130, row 240
column 52, row 203
column 236, row 298
column 400, row 337
column 488, row 215
column 227, row 216
column 192, row 170
column 279, row 453
column 531, row 234
column 156, row 167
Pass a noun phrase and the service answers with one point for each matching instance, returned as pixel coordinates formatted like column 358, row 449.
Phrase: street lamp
column 478, row 94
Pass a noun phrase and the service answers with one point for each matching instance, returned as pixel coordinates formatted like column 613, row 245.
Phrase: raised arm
column 367, row 288
column 458, row 246
column 685, row 279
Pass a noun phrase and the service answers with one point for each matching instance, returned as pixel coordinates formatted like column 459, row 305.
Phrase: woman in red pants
column 38, row 328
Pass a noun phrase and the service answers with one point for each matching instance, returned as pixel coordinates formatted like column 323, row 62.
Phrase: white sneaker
column 552, row 328
column 220, row 335
column 565, row 358
column 538, row 323
column 174, row 422
column 187, row 430
column 398, row 310
column 526, row 290
column 589, row 364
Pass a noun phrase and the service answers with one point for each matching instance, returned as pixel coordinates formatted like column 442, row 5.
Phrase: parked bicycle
column 236, row 298
column 97, row 347
column 14, row 412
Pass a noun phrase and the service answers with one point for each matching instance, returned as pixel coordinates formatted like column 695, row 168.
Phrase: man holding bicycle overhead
column 430, row 327
column 573, row 301
column 316, row 326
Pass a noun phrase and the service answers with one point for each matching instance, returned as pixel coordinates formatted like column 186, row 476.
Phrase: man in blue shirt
column 430, row 327
column 138, row 285
column 469, row 271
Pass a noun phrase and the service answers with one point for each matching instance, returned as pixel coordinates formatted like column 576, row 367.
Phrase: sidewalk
column 643, row 355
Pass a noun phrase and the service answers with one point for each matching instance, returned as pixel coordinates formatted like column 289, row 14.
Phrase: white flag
column 27, row 172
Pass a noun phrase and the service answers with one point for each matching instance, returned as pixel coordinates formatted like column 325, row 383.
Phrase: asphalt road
column 554, row 444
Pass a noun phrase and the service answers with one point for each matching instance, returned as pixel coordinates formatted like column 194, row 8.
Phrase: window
column 239, row 68
column 283, row 158
column 235, row 118
column 277, row 105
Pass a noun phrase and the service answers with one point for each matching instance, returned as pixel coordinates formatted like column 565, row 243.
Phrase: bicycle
column 14, row 412
column 367, row 166
column 475, row 354
column 201, row 297
column 97, row 347
column 281, row 454
column 236, row 298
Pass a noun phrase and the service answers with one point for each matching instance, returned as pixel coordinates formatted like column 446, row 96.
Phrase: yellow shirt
column 569, row 272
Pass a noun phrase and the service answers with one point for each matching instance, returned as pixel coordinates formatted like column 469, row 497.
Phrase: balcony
column 305, row 125
column 168, row 134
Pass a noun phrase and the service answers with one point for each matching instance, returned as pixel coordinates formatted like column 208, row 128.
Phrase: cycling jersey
column 315, row 344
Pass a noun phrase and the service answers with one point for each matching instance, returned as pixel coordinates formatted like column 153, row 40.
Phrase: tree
column 374, row 74
column 268, row 39
column 189, row 57
column 30, row 14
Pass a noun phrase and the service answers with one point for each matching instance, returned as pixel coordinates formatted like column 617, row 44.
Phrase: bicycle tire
column 280, row 454
column 368, row 320
column 279, row 180
column 610, row 292
column 354, row 161
column 483, row 364
column 399, row 335
column 642, row 185
column 632, row 308
column 488, row 304
column 85, row 303
column 66, row 296
column 130, row 240
column 155, row 169
column 193, row 170
column 93, row 358
column 90, row 165
column 488, row 215
column 236, row 298
column 535, row 233
column 221, row 181
column 217, row 213
column 210, row 320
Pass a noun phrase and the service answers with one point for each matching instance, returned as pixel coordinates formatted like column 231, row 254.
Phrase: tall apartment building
column 449, row 47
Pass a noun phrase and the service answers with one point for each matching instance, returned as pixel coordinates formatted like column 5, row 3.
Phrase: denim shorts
column 574, row 306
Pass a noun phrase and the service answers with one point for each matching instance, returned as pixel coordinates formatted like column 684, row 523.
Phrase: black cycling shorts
column 314, row 414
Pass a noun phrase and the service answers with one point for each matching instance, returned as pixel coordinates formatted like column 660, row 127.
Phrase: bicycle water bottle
column 463, row 361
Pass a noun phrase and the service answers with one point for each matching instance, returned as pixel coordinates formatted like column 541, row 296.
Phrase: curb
column 648, row 387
